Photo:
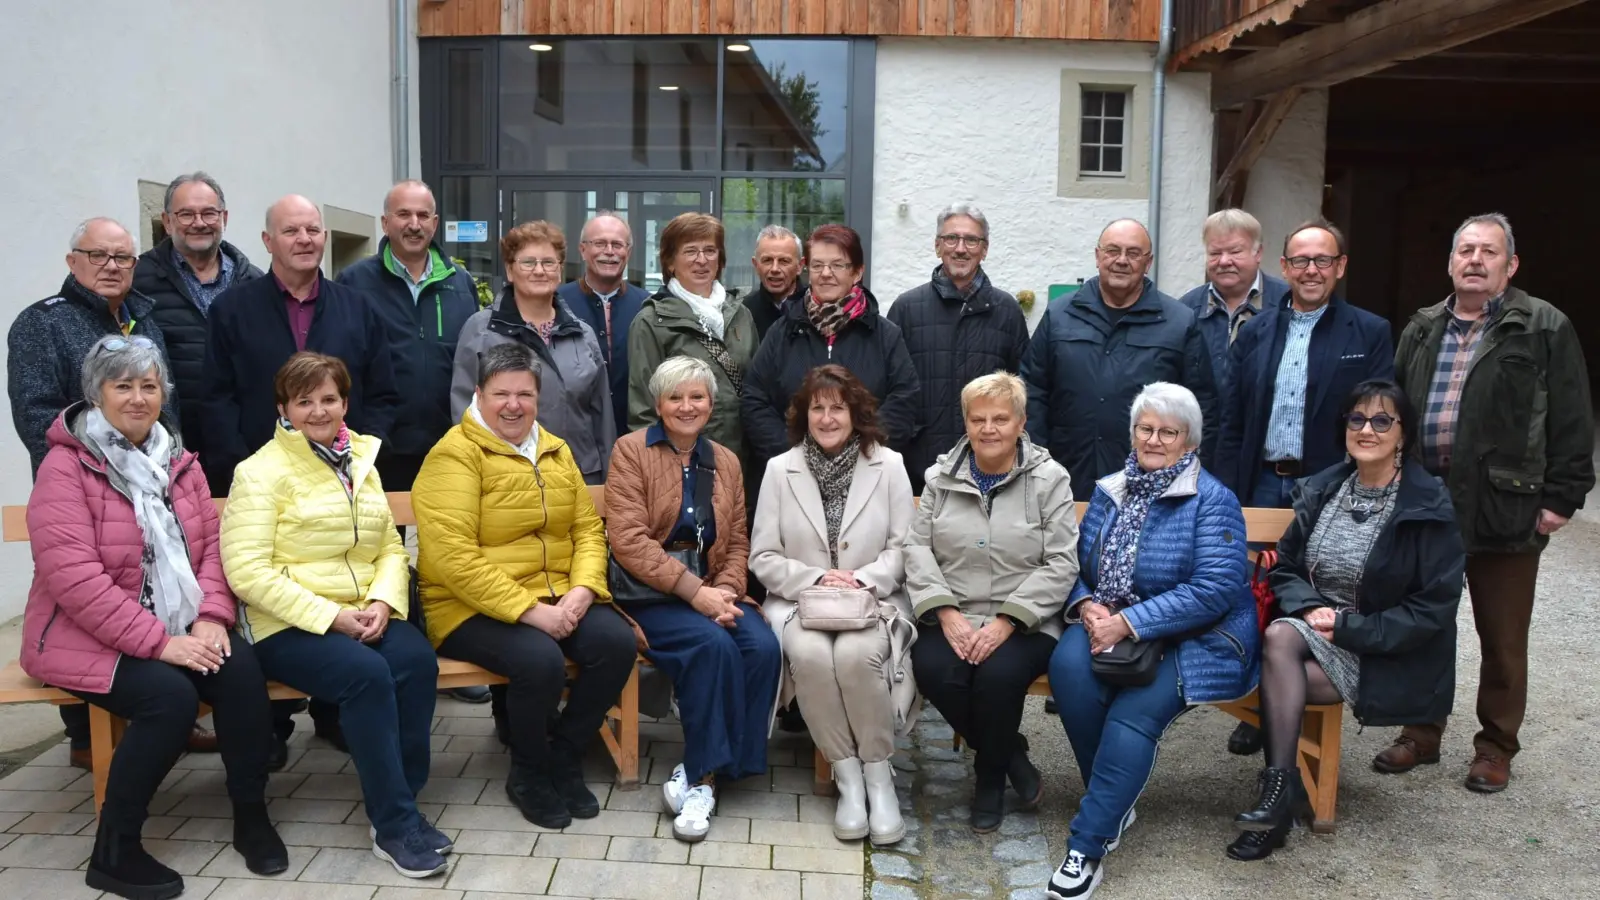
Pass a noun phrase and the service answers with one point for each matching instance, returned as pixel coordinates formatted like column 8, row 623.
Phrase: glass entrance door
column 647, row 204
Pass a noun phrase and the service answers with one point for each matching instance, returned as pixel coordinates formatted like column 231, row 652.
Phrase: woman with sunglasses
column 1368, row 579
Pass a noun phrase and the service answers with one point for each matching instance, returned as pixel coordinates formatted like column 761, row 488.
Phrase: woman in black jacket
column 836, row 321
column 1368, row 579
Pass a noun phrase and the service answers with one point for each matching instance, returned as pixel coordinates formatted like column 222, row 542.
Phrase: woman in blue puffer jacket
column 1162, row 562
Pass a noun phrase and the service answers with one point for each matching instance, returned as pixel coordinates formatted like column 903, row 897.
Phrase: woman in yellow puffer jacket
column 512, row 560
column 310, row 547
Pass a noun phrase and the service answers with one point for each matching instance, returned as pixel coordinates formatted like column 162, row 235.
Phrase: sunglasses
column 118, row 344
column 1381, row 423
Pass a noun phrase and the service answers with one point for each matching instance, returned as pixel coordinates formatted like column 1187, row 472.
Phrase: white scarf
column 175, row 595
column 528, row 448
column 707, row 309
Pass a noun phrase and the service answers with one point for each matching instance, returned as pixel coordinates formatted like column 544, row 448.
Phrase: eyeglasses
column 101, row 257
column 1165, row 435
column 207, row 216
column 533, row 265
column 829, row 268
column 1381, row 423
column 707, row 253
column 613, row 246
column 952, row 241
column 1321, row 262
column 1131, row 254
column 118, row 344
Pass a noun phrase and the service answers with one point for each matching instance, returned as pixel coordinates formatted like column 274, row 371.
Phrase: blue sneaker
column 433, row 837
column 411, row 856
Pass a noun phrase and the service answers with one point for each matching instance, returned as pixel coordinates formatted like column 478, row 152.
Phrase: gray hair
column 83, row 229
column 1492, row 218
column 1171, row 403
column 679, row 371
column 507, row 357
column 1224, row 222
column 962, row 209
column 583, row 233
column 114, row 357
column 192, row 178
column 780, row 233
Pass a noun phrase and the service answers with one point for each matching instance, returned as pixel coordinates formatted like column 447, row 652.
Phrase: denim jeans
column 1271, row 490
column 1114, row 732
column 385, row 693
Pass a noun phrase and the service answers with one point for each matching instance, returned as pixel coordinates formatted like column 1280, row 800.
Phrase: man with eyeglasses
column 777, row 263
column 46, row 348
column 603, row 297
column 1096, row 348
column 957, row 326
column 182, row 275
column 1500, row 381
column 1294, row 365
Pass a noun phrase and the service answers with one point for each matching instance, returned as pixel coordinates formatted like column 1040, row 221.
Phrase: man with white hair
column 777, row 260
column 604, row 298
column 957, row 326
column 1236, row 288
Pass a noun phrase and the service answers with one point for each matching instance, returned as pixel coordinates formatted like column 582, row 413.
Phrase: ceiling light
column 669, row 87
column 739, row 48
column 540, row 48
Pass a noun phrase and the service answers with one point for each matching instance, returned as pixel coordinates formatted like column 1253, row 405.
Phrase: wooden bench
column 619, row 733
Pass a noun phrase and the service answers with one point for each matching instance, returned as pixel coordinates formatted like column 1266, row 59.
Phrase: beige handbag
column 837, row 609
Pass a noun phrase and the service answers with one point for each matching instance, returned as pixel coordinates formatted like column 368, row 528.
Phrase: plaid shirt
column 204, row 292
column 1456, row 350
column 1244, row 313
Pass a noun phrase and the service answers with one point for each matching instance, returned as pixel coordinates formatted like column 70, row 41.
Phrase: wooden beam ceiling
column 1369, row 40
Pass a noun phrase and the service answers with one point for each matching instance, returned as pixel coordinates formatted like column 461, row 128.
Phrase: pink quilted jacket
column 83, row 609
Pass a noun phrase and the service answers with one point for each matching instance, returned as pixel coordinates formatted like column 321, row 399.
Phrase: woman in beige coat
column 834, row 511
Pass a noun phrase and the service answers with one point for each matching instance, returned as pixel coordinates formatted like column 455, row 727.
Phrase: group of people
column 766, row 459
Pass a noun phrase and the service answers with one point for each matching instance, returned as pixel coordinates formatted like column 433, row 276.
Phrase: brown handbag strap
column 718, row 351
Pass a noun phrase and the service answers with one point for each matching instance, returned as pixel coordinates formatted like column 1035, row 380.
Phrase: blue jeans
column 726, row 680
column 1114, row 732
column 1271, row 490
column 385, row 693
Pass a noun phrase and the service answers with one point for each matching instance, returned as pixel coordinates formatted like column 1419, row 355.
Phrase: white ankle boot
column 850, row 818
column 885, row 824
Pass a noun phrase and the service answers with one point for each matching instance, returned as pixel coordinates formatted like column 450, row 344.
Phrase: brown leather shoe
column 202, row 740
column 1405, row 754
column 81, row 759
column 1490, row 773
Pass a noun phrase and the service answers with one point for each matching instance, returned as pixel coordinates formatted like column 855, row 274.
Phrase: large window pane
column 465, row 106
column 608, row 106
column 750, row 204
column 786, row 106
column 471, row 199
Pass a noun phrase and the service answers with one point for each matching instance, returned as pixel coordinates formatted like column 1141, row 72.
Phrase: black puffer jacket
column 1404, row 626
column 870, row 346
column 953, row 340
column 183, row 324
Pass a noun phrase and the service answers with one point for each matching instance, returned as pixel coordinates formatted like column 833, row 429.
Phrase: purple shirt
column 300, row 311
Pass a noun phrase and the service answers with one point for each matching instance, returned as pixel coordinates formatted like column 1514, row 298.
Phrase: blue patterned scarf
column 1121, row 549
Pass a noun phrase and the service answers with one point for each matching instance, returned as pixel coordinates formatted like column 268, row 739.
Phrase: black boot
column 566, row 774
column 988, row 800
column 536, row 798
column 1024, row 775
column 1276, row 806
column 1251, row 846
column 121, row 866
column 1245, row 740
column 257, row 841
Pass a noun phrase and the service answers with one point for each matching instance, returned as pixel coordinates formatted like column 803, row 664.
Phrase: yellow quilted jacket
column 298, row 548
column 497, row 534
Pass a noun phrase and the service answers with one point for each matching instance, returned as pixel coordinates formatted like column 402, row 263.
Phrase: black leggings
column 160, row 702
column 1291, row 677
column 983, row 703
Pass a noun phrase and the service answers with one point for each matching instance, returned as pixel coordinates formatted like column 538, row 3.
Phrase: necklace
column 1366, row 508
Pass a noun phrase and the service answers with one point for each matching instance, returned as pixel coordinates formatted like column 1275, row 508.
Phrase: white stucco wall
column 1285, row 186
column 979, row 121
column 290, row 96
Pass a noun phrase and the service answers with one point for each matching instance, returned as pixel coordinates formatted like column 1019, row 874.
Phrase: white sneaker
column 676, row 789
column 1076, row 879
column 694, row 819
column 1133, row 816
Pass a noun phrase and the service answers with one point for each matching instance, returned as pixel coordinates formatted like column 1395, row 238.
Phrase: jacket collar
column 135, row 306
column 1421, row 496
column 161, row 256
column 977, row 297
column 1090, row 304
column 954, row 471
column 1187, row 484
column 702, row 455
column 863, row 481
column 794, row 312
column 363, row 452
column 548, row 443
column 672, row 311
column 68, row 431
column 509, row 320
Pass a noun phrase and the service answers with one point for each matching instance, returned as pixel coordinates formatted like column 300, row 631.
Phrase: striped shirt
column 1456, row 350
column 1286, row 429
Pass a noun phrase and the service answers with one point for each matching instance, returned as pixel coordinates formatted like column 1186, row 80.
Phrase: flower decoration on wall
column 1025, row 300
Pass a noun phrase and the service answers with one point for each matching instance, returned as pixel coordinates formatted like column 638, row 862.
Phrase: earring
column 1399, row 458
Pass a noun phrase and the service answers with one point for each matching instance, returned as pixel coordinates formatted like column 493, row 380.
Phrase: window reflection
column 750, row 204
column 786, row 106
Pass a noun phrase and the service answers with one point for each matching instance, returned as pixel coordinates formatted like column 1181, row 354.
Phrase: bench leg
column 1328, row 732
column 628, row 735
column 102, row 744
column 821, row 775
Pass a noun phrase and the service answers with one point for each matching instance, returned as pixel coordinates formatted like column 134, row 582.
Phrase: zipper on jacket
column 544, row 550
column 49, row 622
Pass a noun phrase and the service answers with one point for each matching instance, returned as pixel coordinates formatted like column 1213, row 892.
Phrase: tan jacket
column 1019, row 558
column 644, row 494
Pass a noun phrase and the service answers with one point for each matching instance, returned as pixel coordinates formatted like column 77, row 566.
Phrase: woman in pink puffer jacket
column 129, row 611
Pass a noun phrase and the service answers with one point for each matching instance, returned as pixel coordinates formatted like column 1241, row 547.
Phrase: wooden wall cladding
column 1091, row 20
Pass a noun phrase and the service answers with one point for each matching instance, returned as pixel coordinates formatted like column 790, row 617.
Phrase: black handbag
column 1128, row 663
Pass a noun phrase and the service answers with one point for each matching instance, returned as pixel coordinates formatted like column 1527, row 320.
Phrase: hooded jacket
column 666, row 327
column 497, row 534
column 83, row 610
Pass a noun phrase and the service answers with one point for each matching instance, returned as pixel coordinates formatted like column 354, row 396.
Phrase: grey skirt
column 1342, row 667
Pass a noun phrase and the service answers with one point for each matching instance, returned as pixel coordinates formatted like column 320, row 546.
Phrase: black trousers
column 160, row 703
column 983, row 703
column 603, row 648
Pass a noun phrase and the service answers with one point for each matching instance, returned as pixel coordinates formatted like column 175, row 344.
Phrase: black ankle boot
column 988, row 800
column 121, row 866
column 1245, row 740
column 1251, row 846
column 257, row 841
column 536, row 798
column 566, row 774
column 1276, row 806
column 1024, row 775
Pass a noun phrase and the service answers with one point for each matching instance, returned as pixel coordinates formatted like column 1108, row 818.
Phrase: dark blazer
column 586, row 305
column 1404, row 624
column 764, row 310
column 1214, row 328
column 1348, row 346
column 249, row 341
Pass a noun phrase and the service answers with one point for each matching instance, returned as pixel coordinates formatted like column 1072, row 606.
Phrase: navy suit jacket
column 1214, row 328
column 1348, row 346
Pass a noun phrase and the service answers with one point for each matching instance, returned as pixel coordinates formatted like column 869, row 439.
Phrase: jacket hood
column 951, row 464
column 68, row 431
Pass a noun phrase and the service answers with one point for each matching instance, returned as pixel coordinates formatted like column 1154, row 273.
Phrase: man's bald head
column 291, row 203
column 604, row 245
column 294, row 236
column 1124, row 231
column 1122, row 258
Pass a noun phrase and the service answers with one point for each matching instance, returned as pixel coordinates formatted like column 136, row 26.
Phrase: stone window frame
column 1134, row 183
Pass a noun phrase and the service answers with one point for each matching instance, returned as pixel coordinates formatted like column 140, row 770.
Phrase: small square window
column 1104, row 121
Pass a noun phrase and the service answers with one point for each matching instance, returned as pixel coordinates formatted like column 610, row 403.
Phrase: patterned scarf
column 947, row 288
column 1121, row 549
column 830, row 318
column 337, row 456
column 833, row 475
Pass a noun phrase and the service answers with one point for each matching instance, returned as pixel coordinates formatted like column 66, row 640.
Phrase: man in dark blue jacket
column 422, row 299
column 604, row 299
column 1235, row 290
column 1093, row 352
column 1293, row 367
